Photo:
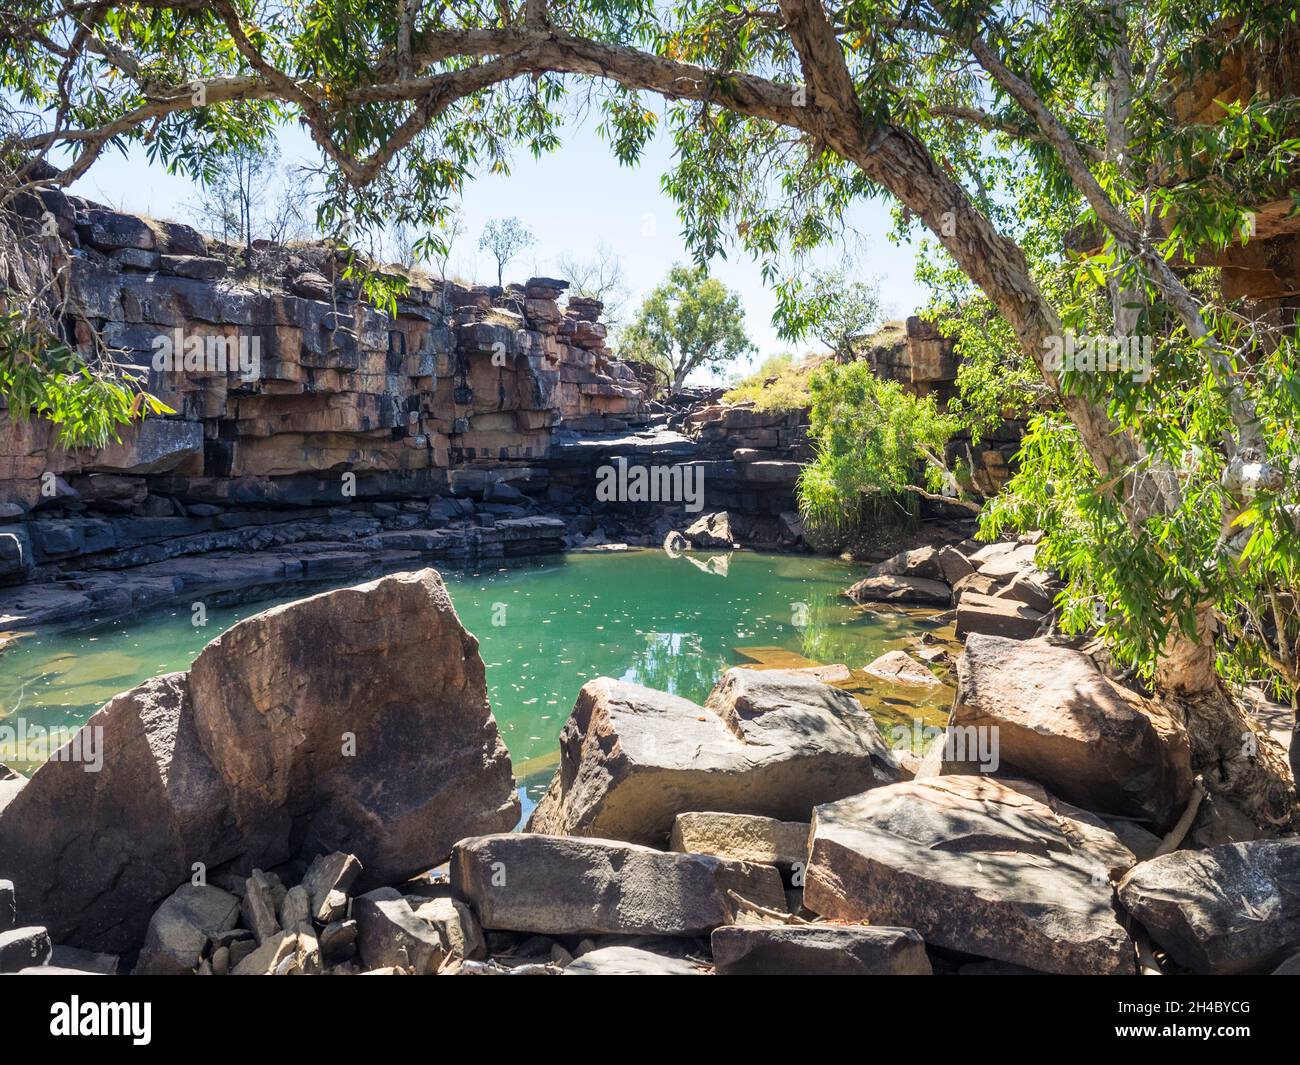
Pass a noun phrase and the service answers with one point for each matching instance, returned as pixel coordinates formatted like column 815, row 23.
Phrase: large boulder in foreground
column 561, row 885
column 353, row 721
column 766, row 742
column 92, row 854
column 360, row 721
column 975, row 865
column 1230, row 909
column 1059, row 720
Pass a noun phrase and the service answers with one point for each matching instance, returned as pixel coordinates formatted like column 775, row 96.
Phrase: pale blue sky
column 571, row 200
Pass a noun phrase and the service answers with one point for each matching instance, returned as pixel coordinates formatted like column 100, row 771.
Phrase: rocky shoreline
column 276, row 810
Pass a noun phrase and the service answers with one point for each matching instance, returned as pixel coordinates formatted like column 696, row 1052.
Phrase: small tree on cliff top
column 503, row 239
column 689, row 322
column 785, row 116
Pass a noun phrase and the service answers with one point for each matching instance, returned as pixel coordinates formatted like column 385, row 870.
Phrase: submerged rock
column 898, row 667
column 353, row 721
column 768, row 742
column 561, row 885
column 975, row 865
column 1057, row 719
column 1230, row 909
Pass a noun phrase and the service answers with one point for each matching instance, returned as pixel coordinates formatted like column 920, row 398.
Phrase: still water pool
column 545, row 627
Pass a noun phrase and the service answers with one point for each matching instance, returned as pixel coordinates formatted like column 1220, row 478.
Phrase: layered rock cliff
column 302, row 413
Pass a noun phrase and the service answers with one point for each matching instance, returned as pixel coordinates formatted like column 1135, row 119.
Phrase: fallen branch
column 754, row 907
column 1170, row 843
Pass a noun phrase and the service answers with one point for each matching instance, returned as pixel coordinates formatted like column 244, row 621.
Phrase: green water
column 544, row 628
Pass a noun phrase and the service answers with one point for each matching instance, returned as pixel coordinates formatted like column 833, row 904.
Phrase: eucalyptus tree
column 783, row 115
column 689, row 322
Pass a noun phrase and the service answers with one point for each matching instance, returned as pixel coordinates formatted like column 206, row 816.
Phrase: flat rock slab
column 1057, row 719
column 997, row 617
column 742, row 838
column 818, row 950
column 1230, row 909
column 976, row 865
column 767, row 742
column 561, row 885
column 631, row 961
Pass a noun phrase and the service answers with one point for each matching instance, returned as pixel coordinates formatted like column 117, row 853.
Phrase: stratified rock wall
column 292, row 397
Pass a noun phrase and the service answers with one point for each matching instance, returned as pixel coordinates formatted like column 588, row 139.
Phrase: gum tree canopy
column 783, row 114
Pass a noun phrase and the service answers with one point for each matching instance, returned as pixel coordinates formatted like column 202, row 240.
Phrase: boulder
column 390, row 934
column 975, row 865
column 994, row 616
column 939, row 563
column 329, row 877
column 338, row 940
column 1059, row 720
column 181, row 927
column 155, row 807
column 766, row 742
column 278, row 956
column 631, row 961
column 260, row 904
column 888, row 588
column 385, row 747
column 561, row 885
column 353, row 721
column 455, row 923
column 898, row 667
column 712, row 530
column 8, row 909
column 818, row 950
column 742, row 838
column 1231, row 909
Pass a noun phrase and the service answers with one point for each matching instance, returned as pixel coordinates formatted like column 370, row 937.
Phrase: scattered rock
column 338, row 940
column 742, row 838
column 272, row 958
column 327, row 881
column 391, row 935
column 766, row 742
column 975, row 865
column 455, row 923
column 260, row 903
column 560, row 885
column 818, row 950
column 1057, row 719
column 181, row 926
column 296, row 908
column 1230, row 909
